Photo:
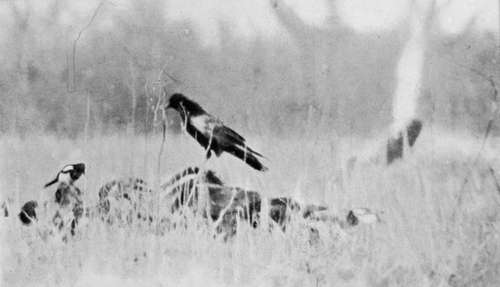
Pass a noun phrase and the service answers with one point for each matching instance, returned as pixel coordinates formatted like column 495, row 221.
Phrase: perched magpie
column 69, row 174
column 211, row 133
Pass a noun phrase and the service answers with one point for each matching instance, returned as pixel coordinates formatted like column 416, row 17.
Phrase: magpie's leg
column 207, row 157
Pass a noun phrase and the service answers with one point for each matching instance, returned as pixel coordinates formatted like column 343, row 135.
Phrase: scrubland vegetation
column 439, row 215
column 316, row 102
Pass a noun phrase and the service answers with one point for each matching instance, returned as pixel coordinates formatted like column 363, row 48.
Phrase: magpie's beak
column 168, row 107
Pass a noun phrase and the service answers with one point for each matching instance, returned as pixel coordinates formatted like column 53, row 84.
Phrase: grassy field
column 439, row 209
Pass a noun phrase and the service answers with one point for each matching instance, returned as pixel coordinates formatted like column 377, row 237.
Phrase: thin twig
column 162, row 146
column 164, row 132
column 75, row 42
column 497, row 185
column 487, row 132
column 163, row 71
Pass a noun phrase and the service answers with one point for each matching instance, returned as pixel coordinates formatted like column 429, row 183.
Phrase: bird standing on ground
column 28, row 212
column 211, row 133
column 68, row 174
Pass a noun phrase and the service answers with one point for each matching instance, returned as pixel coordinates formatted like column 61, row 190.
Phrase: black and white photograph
column 252, row 143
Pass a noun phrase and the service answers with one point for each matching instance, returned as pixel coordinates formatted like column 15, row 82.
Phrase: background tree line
column 333, row 79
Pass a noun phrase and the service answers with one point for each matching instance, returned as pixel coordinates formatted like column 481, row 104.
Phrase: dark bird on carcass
column 28, row 212
column 211, row 133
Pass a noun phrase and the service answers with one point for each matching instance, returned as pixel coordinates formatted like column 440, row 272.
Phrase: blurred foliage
column 334, row 79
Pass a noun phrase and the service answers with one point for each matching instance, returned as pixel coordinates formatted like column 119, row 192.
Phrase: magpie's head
column 77, row 171
column 182, row 104
column 176, row 101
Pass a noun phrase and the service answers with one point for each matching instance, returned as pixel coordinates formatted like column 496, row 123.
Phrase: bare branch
column 492, row 172
column 170, row 76
column 489, row 126
column 94, row 15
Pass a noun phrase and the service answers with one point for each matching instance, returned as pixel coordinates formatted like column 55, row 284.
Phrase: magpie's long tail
column 247, row 155
column 51, row 183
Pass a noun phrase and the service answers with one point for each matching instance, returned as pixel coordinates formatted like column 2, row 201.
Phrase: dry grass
column 437, row 229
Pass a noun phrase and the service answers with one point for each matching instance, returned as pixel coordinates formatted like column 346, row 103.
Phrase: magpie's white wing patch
column 204, row 123
column 67, row 168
